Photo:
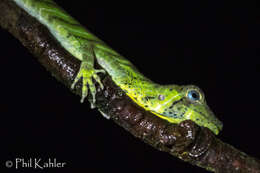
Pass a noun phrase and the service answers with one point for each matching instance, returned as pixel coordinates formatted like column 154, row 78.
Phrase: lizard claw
column 88, row 75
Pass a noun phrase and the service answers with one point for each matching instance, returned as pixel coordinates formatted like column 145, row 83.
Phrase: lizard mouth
column 207, row 120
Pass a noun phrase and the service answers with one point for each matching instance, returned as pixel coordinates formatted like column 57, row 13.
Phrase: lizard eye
column 193, row 95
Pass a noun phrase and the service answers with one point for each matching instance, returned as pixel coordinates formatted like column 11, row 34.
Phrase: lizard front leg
column 88, row 73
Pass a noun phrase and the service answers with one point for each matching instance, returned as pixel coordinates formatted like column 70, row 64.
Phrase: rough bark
column 187, row 141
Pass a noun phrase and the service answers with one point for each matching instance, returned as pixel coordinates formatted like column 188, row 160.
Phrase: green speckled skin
column 173, row 103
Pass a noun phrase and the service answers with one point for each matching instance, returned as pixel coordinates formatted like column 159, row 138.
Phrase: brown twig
column 187, row 141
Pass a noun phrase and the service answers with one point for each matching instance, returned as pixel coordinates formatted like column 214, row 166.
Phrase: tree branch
column 187, row 141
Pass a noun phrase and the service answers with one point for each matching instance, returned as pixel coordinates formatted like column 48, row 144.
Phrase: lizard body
column 173, row 103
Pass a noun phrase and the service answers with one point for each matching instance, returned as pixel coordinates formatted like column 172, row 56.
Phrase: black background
column 214, row 45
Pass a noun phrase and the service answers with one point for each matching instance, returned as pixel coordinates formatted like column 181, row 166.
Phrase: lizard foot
column 88, row 74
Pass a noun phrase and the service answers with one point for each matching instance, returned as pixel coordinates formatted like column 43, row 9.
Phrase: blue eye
column 193, row 95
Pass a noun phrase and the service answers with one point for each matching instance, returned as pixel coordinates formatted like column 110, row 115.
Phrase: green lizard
column 173, row 103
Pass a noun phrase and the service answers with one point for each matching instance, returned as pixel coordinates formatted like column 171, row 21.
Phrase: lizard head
column 179, row 103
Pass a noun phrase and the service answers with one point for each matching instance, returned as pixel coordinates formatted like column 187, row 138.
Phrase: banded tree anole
column 173, row 103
